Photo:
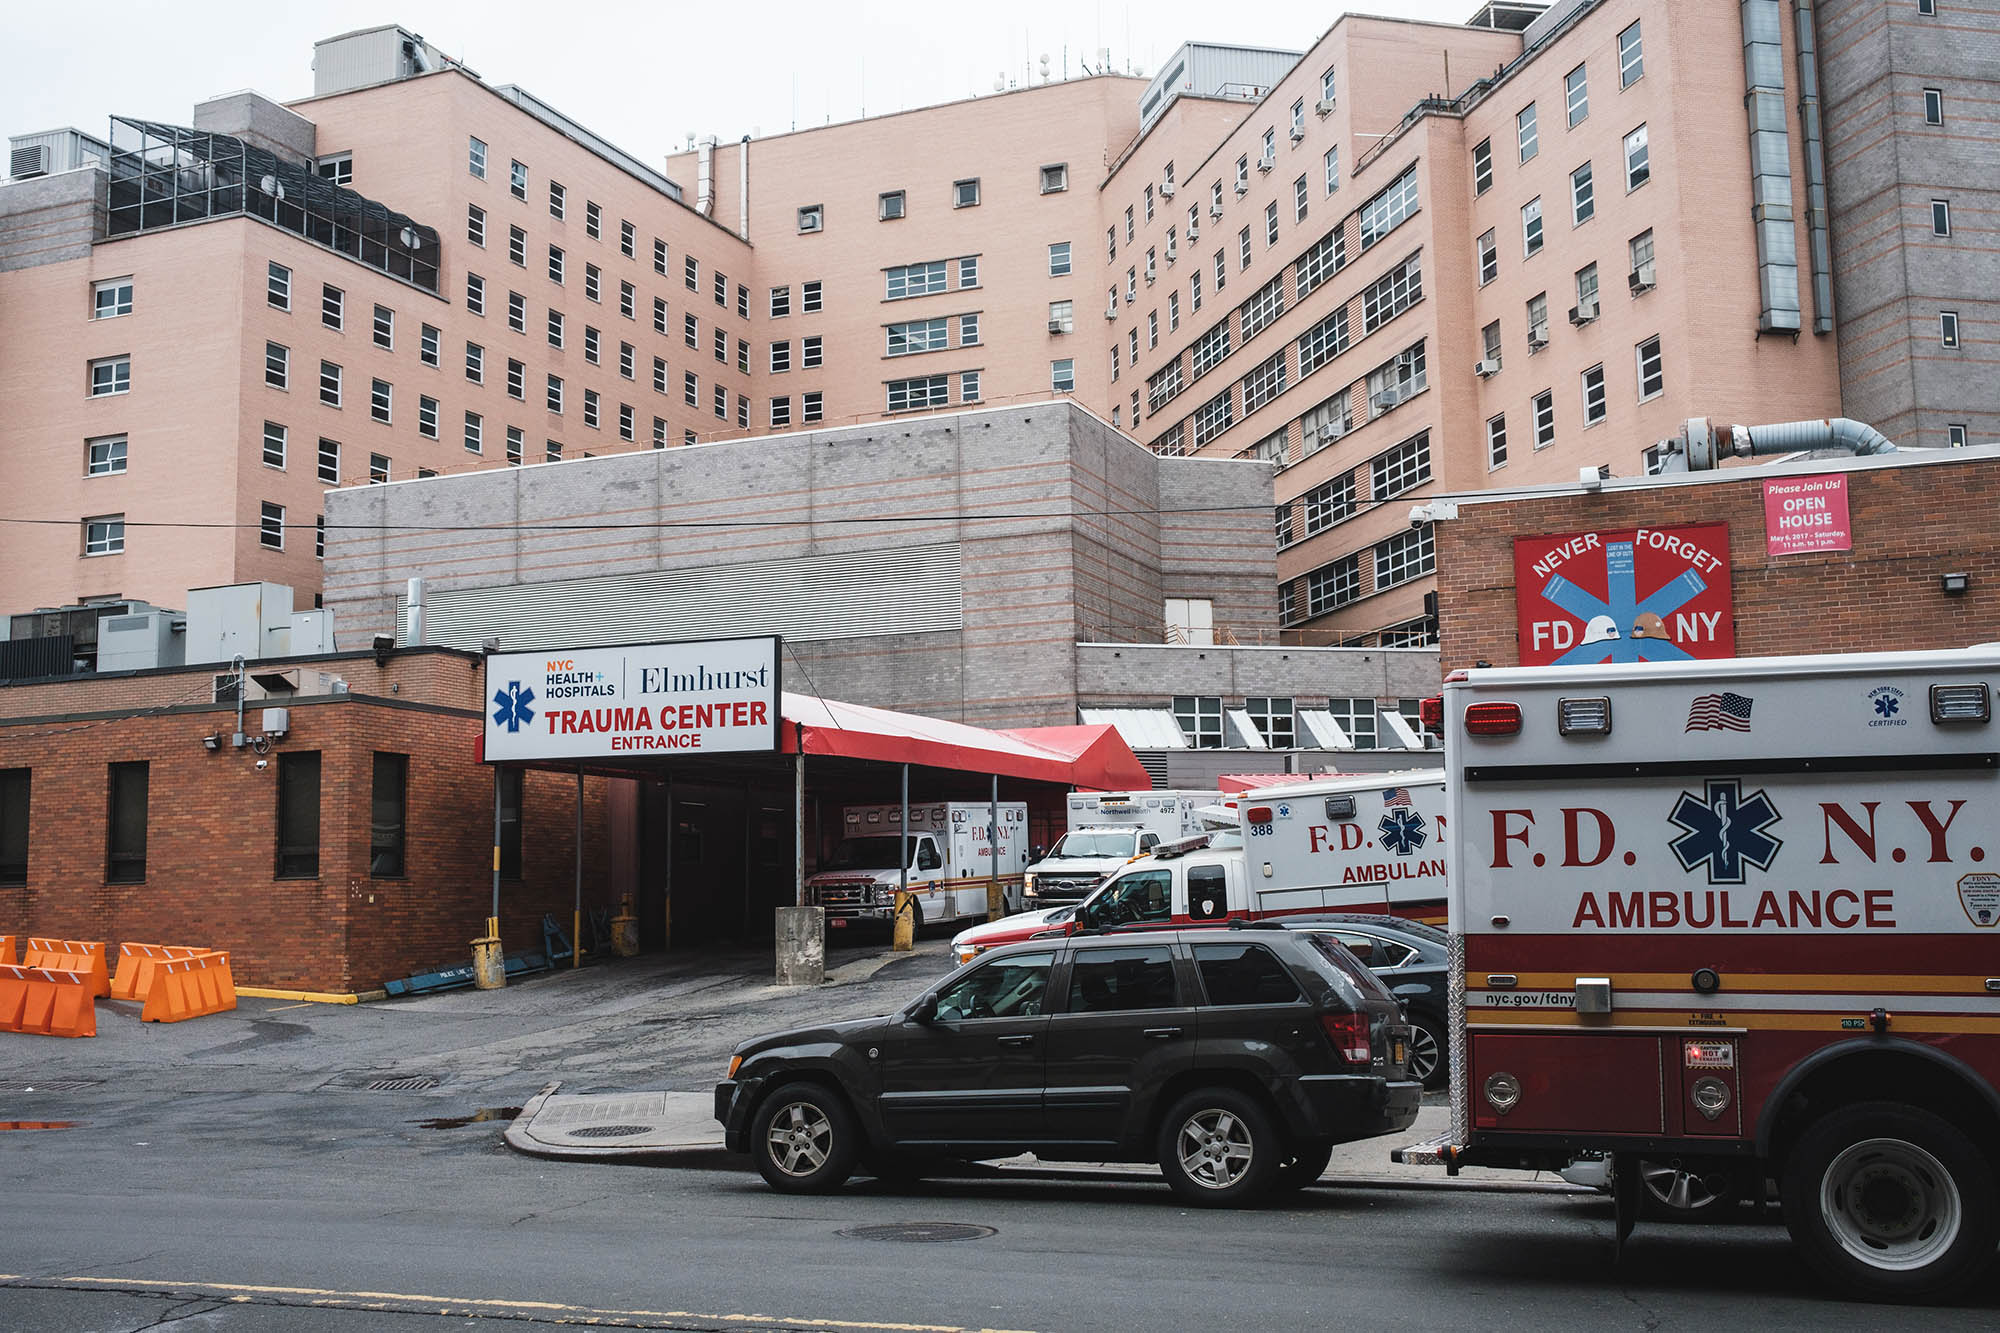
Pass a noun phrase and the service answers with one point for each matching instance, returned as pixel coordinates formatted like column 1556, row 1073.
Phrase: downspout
column 413, row 613
column 704, row 178
column 743, row 189
column 1770, row 167
column 1703, row 445
column 1815, row 157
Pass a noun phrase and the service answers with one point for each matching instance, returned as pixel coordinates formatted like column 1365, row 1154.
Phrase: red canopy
column 1238, row 783
column 1093, row 757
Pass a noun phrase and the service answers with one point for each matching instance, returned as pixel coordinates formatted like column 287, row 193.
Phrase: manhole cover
column 920, row 1232
column 420, row 1083
column 51, row 1085
column 607, row 1131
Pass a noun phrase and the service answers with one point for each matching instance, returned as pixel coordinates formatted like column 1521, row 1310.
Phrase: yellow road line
column 469, row 1306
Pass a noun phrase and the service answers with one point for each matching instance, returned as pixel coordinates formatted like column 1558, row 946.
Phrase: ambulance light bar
column 1961, row 703
column 1493, row 719
column 1584, row 717
column 1340, row 807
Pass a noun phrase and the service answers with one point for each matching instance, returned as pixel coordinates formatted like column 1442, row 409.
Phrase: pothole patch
column 919, row 1233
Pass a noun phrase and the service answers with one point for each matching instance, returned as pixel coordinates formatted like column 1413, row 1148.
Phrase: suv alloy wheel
column 1219, row 1149
column 804, row 1139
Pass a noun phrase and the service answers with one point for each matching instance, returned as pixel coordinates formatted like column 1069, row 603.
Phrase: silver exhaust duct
column 1703, row 445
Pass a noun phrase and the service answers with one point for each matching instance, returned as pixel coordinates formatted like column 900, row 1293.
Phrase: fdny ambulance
column 1744, row 914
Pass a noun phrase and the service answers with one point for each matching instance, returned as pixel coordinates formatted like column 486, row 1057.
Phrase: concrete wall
column 50, row 219
column 1129, row 675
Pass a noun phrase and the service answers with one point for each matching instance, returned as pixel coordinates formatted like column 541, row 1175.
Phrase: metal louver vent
column 32, row 160
column 1156, row 768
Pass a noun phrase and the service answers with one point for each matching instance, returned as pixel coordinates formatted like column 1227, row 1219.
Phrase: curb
column 516, row 1133
column 310, row 996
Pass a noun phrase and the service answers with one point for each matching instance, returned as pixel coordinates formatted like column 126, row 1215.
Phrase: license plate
column 836, row 923
column 1399, row 1053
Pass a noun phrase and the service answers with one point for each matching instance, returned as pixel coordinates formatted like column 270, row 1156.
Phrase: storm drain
column 920, row 1233
column 609, row 1131
column 51, row 1085
column 417, row 1083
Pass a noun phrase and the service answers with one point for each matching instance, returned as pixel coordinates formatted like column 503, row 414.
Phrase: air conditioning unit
column 1386, row 400
column 1242, row 188
column 809, row 222
column 1486, row 369
column 1166, row 189
column 1580, row 315
column 1266, row 162
column 1297, row 133
column 1331, row 431
column 32, row 160
column 1194, row 230
column 1149, row 270
column 1641, row 278
column 1538, row 338
column 1324, row 106
column 1111, row 311
column 1215, row 209
column 1172, row 249
column 1058, row 326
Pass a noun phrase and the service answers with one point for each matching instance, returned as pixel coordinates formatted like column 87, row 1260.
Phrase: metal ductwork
column 704, row 179
column 1815, row 161
column 1703, row 445
column 1770, row 166
column 743, row 189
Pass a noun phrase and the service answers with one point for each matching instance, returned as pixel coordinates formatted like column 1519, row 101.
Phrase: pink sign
column 1807, row 514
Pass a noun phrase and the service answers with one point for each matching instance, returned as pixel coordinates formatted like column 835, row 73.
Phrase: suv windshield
column 866, row 854
column 1093, row 842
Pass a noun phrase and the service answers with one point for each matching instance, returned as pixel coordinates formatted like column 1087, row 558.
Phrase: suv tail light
column 1349, row 1035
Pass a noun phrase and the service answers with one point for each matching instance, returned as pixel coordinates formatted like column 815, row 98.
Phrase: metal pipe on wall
column 1771, row 213
column 1818, row 247
column 743, row 189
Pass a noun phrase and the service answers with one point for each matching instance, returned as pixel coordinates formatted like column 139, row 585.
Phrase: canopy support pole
column 996, row 897
column 576, row 915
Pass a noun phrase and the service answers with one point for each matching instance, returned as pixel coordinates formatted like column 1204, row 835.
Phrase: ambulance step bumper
column 1428, row 1153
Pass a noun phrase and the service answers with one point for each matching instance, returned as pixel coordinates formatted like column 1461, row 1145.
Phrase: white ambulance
column 1107, row 829
column 945, row 848
column 1355, row 843
column 1742, row 915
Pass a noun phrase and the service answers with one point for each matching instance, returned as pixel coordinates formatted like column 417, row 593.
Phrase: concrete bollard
column 489, row 965
column 801, row 946
column 625, row 930
column 996, row 900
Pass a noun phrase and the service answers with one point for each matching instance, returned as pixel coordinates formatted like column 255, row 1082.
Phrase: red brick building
column 1913, row 518
column 353, row 849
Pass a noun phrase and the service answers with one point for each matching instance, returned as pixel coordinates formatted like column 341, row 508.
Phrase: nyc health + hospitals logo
column 512, row 706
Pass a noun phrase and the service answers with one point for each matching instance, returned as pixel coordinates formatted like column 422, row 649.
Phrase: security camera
column 384, row 644
column 263, row 764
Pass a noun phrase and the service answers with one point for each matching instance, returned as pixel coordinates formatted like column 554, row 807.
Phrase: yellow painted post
column 905, row 937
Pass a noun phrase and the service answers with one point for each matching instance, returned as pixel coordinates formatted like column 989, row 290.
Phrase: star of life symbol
column 1725, row 831
column 511, row 706
column 1402, row 830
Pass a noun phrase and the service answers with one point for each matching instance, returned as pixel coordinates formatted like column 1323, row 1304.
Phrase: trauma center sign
column 641, row 700
column 1624, row 595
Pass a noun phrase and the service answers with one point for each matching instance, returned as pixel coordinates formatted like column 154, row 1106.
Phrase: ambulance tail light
column 1493, row 719
column 1430, row 714
column 1584, row 717
column 1961, row 703
column 1258, row 814
column 1349, row 1035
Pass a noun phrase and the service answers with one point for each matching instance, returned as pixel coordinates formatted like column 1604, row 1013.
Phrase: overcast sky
column 642, row 75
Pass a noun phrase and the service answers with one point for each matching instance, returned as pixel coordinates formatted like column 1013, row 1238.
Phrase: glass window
column 517, row 180
column 1113, row 980
column 1652, row 375
column 329, row 461
column 1545, row 419
column 475, row 157
column 1398, row 469
column 111, row 298
column 475, row 293
column 810, row 297
column 1531, row 228
column 332, row 306
column 427, row 345
column 1013, row 987
column 1586, row 290
column 277, row 365
column 1062, row 375
column 1386, row 210
column 380, row 395
column 1496, row 442
column 15, row 784
column 916, row 280
column 278, row 287
column 1146, row 895
column 1576, row 94
column 298, row 815
column 1582, row 196
column 1593, row 395
column 1525, row 133
column 1631, row 57
column 1948, row 327
column 928, row 391
column 1940, row 217
column 1200, row 719
column 274, row 445
column 1274, row 720
column 110, row 375
column 271, row 526
column 1933, row 106
column 1244, row 974
column 890, row 205
column 965, row 194
column 1482, row 166
column 1328, row 503
column 125, row 853
column 104, row 535
column 388, row 809
column 384, row 328
column 1638, row 162
column 105, row 457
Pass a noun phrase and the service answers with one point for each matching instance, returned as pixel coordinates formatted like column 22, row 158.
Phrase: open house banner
column 1624, row 595
column 637, row 701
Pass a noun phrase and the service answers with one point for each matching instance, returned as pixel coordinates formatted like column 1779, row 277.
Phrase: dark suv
column 1236, row 1059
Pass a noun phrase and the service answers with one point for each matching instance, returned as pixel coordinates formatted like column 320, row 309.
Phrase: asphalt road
column 239, row 1176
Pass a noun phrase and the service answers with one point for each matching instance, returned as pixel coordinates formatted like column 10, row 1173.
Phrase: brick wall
column 1913, row 518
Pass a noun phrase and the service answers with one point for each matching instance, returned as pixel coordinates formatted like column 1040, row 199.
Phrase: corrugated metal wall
column 912, row 590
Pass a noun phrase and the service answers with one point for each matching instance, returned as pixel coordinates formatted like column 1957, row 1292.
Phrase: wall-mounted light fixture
column 1954, row 584
column 211, row 743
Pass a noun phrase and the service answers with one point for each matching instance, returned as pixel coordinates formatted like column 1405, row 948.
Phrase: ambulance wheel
column 1677, row 1189
column 1429, row 1063
column 1889, row 1202
column 804, row 1139
column 1219, row 1148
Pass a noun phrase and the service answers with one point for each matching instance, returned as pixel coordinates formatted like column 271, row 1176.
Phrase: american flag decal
column 1719, row 712
column 1396, row 796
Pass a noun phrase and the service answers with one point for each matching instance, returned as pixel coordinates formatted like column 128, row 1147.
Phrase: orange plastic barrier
column 6, row 950
column 85, row 956
column 189, row 987
column 136, row 963
column 46, row 1001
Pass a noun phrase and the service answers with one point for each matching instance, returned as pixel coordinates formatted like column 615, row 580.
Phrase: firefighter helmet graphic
column 1601, row 629
column 1724, row 831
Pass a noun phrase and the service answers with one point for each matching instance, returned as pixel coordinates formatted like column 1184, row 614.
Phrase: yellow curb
column 313, row 996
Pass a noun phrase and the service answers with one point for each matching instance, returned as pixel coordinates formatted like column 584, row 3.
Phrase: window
column 1221, row 270
column 889, row 205
column 1213, row 417
column 691, row 331
column 968, row 271
column 517, row 380
column 965, row 194
column 1641, row 248
column 1586, row 291
column 1062, row 375
column 1329, row 503
column 810, row 297
column 555, row 394
column 277, row 365
column 329, row 461
column 1582, row 196
column 388, row 808
column 1948, row 328
column 1396, row 470
column 1164, row 385
column 380, row 393
column 916, row 280
column 810, row 353
column 660, row 315
column 1270, row 226
column 298, row 815
column 274, row 445
column 1334, row 586
column 1496, row 442
column 593, row 285
column 1115, row 980
column 104, row 535
column 1482, row 166
column 1210, row 348
column 592, row 341
column 1243, row 174
column 1638, row 162
column 1933, row 106
column 271, row 526
column 660, row 432
column 1298, row 120
column 1398, row 379
column 691, row 272
column 555, row 264
column 1405, row 556
column 555, row 328
column 332, row 306
column 1326, row 257
column 1200, row 719
column 1576, row 95
column 1132, row 280
column 659, row 256
column 812, row 404
column 590, row 414
column 1244, row 974
column 336, row 167
column 1194, row 291
column 1489, row 339
column 593, row 220
column 1062, row 316
column 628, row 301
column 659, row 374
column 1940, row 217
column 627, row 360
column 553, row 451
column 1332, row 173
column 1152, row 329
column 475, row 157
column 1055, row 178
column 1927, row 8
column 1652, row 376
column 104, row 457
column 125, row 824
column 278, row 287
column 968, row 330
column 1524, row 132
column 1174, row 311
column 112, row 374
column 384, row 328
column 1545, row 419
column 929, row 391
column 1531, row 228
column 625, row 421
column 1323, row 341
column 111, row 298
column 1264, row 305
column 14, row 806
column 1300, row 193
column 1128, row 223
column 628, row 240
column 721, row 402
column 1489, row 257
column 691, row 388
column 812, row 217
column 1386, row 210
column 329, row 383
column 1593, row 395
column 722, row 346
column 517, row 180
column 517, row 441
column 1264, row 383
column 1391, row 294
column 427, row 344
column 475, row 433
column 1631, row 57
column 475, row 293
column 1955, row 436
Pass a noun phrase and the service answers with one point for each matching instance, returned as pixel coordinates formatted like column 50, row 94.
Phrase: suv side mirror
column 924, row 1011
